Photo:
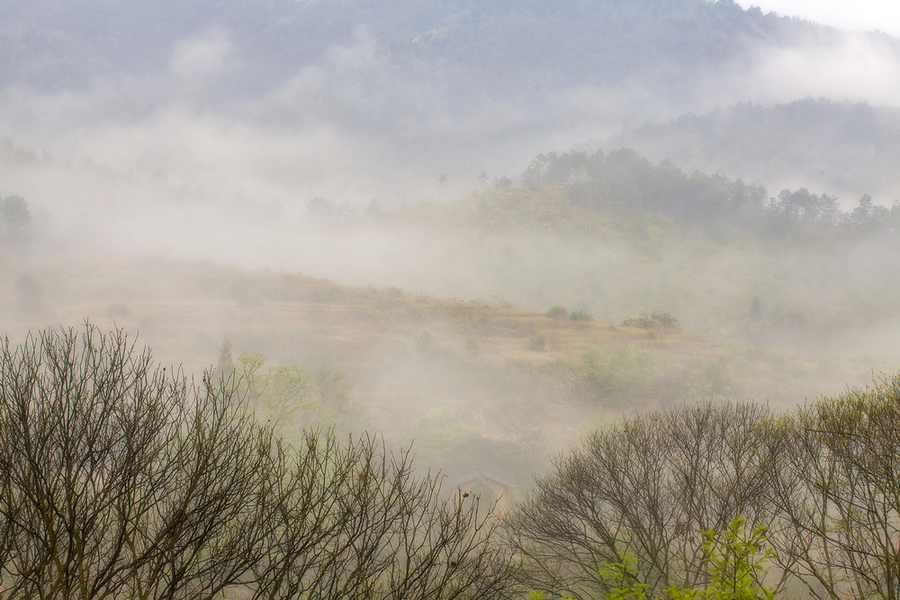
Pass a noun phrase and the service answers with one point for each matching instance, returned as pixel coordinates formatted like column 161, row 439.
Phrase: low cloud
column 855, row 67
column 201, row 56
column 360, row 53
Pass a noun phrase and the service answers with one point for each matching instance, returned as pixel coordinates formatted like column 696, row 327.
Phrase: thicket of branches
column 120, row 479
column 646, row 488
column 824, row 480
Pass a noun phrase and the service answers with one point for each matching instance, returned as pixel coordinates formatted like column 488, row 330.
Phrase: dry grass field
column 435, row 370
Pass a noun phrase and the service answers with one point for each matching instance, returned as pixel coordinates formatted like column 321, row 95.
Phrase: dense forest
column 623, row 181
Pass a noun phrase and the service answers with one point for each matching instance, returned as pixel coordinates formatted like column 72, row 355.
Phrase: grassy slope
column 433, row 369
column 462, row 377
column 821, row 295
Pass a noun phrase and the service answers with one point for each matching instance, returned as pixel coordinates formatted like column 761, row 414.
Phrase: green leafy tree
column 736, row 560
column 622, row 580
column 293, row 397
column 14, row 212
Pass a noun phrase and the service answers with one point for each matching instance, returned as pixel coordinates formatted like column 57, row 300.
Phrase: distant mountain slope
column 509, row 44
column 462, row 378
column 380, row 97
column 839, row 147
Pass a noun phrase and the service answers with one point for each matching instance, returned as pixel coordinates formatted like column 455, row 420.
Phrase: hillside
column 67, row 45
column 464, row 379
column 372, row 211
column 377, row 98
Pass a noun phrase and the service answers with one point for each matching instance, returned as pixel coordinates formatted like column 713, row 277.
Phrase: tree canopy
column 122, row 479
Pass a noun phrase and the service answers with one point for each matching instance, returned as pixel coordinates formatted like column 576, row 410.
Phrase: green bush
column 622, row 580
column 558, row 312
column 538, row 342
column 735, row 567
column 658, row 320
column 14, row 212
column 579, row 315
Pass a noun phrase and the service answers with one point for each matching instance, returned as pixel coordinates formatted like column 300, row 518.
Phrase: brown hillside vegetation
column 439, row 371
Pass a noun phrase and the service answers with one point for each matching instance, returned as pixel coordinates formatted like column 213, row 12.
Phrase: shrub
column 621, row 579
column 735, row 566
column 658, row 320
column 664, row 319
column 558, row 312
column 538, row 342
column 579, row 315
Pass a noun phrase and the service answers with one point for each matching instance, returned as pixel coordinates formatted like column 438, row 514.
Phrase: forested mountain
column 379, row 98
column 205, row 130
column 625, row 183
column 502, row 44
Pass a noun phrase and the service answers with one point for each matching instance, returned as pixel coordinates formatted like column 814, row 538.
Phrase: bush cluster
column 658, row 320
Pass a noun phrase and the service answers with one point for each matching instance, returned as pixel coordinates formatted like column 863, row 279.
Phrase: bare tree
column 646, row 488
column 839, row 493
column 119, row 479
column 370, row 529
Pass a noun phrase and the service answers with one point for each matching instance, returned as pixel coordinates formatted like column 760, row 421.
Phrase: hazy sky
column 852, row 14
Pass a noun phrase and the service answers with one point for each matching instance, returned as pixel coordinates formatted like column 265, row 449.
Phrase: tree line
column 822, row 480
column 838, row 145
column 624, row 182
column 119, row 478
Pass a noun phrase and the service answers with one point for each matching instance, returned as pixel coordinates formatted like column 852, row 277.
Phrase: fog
column 852, row 66
column 210, row 156
column 349, row 126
